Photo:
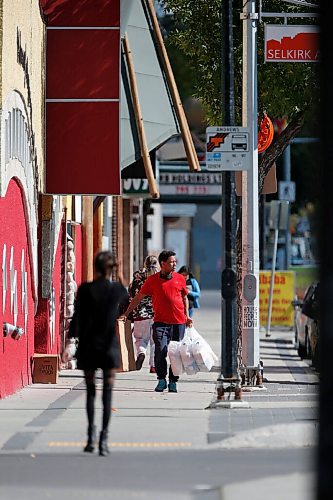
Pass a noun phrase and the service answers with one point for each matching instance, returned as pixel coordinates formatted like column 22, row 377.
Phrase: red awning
column 82, row 96
column 81, row 12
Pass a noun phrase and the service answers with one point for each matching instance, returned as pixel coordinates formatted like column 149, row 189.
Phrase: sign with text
column 291, row 43
column 283, row 295
column 227, row 148
column 202, row 184
column 135, row 187
column 250, row 317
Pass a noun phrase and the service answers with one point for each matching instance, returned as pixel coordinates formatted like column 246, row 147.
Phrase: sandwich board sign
column 227, row 148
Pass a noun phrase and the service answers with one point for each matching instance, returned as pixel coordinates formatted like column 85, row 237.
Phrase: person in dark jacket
column 193, row 289
column 97, row 306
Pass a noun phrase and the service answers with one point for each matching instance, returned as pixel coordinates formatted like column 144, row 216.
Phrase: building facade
column 48, row 240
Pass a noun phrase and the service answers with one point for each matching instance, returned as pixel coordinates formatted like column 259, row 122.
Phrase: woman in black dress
column 97, row 307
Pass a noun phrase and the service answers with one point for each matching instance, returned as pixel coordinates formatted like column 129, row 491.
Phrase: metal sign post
column 250, row 198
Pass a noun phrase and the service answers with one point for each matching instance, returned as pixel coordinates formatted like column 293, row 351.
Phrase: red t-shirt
column 167, row 298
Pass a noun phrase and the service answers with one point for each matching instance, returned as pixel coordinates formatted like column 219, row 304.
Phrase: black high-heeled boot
column 103, row 444
column 89, row 448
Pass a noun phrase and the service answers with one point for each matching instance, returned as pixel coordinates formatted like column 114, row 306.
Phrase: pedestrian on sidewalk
column 169, row 296
column 143, row 315
column 193, row 289
column 97, row 307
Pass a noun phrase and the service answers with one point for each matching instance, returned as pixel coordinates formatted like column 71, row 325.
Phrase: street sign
column 287, row 191
column 291, row 43
column 278, row 216
column 227, row 148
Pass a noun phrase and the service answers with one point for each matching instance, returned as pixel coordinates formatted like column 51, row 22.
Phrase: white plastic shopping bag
column 189, row 363
column 202, row 353
column 203, row 356
column 175, row 358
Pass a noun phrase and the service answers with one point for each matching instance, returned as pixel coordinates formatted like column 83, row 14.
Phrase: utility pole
column 229, row 373
column 250, row 198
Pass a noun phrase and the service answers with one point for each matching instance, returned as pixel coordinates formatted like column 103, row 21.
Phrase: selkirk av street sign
column 227, row 148
column 291, row 43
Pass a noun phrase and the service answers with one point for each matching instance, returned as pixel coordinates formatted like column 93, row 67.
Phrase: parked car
column 307, row 324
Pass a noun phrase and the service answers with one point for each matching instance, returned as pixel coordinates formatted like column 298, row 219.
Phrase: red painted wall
column 15, row 355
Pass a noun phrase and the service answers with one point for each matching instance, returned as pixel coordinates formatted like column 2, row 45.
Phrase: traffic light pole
column 229, row 379
column 229, row 291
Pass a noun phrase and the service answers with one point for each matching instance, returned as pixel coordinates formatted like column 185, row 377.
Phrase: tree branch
column 278, row 146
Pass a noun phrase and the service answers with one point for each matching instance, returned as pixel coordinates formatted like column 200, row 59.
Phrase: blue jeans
column 162, row 335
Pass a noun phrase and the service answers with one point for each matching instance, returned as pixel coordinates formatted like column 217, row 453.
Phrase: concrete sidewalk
column 42, row 421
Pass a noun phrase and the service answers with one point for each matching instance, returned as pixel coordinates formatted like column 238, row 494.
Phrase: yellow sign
column 283, row 295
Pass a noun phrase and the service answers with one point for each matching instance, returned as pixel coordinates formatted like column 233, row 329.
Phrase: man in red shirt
column 169, row 296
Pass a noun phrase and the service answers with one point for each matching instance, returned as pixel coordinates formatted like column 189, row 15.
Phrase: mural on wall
column 18, row 245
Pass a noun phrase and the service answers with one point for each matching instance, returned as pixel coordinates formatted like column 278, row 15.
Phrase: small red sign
column 290, row 43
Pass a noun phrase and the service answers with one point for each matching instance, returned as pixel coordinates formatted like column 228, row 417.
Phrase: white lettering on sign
column 250, row 317
column 190, row 178
column 139, row 185
column 188, row 190
column 301, row 55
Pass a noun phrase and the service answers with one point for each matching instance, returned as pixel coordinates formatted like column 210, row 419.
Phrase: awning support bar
column 185, row 131
column 139, row 121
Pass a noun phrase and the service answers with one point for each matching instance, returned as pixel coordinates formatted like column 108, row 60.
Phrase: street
column 167, row 445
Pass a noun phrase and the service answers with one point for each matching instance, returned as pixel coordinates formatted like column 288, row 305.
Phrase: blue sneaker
column 161, row 385
column 172, row 387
